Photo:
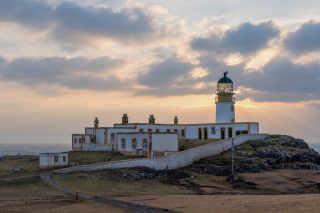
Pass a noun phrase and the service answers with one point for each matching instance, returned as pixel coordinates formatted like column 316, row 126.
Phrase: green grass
column 189, row 144
column 96, row 157
column 106, row 183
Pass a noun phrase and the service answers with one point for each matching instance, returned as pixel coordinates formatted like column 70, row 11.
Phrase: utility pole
column 232, row 158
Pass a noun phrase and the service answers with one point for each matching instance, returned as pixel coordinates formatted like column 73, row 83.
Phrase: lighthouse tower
column 225, row 101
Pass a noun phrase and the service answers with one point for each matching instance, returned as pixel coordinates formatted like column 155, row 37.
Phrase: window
column 123, row 143
column 168, row 130
column 64, row 159
column 56, row 159
column 232, row 108
column 182, row 132
column 134, row 143
column 213, row 130
column 149, row 130
column 112, row 136
column 157, row 130
column 145, row 143
column 74, row 140
column 175, row 130
column 141, row 130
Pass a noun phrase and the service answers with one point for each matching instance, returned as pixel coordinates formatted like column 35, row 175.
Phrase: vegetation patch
column 96, row 157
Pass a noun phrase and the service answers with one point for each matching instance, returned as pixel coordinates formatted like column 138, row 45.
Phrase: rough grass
column 96, row 157
column 108, row 183
column 17, row 166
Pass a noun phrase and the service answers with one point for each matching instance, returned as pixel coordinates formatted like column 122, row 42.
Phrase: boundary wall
column 173, row 160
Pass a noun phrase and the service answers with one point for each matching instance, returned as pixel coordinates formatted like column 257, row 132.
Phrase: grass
column 16, row 166
column 96, row 157
column 189, row 144
column 108, row 183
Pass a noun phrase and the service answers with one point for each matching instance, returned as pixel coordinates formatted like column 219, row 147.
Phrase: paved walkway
column 46, row 177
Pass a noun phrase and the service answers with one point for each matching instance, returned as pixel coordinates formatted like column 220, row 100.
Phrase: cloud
column 75, row 24
column 246, row 39
column 283, row 80
column 279, row 80
column 74, row 73
column 127, row 24
column 169, row 72
column 37, row 14
column 305, row 39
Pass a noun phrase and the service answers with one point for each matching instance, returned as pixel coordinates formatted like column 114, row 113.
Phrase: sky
column 65, row 62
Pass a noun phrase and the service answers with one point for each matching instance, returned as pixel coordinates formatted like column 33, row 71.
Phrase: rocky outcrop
column 276, row 152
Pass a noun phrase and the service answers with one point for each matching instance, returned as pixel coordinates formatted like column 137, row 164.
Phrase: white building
column 134, row 138
column 53, row 160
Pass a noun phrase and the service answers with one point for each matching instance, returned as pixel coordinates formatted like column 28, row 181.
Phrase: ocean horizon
column 36, row 149
column 31, row 148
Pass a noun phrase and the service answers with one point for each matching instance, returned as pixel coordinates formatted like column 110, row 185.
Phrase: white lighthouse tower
column 225, row 112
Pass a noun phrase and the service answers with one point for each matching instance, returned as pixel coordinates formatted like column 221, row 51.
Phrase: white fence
column 172, row 161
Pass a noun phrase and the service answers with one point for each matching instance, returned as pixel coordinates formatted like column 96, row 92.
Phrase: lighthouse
column 225, row 112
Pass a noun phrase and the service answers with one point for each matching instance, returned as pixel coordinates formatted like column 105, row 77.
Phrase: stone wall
column 172, row 161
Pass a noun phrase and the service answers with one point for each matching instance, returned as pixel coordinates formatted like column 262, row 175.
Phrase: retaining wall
column 173, row 161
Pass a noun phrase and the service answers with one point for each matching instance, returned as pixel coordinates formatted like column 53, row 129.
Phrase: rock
column 276, row 152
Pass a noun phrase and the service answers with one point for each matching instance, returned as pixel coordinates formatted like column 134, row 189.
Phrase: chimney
column 176, row 121
column 152, row 120
column 125, row 119
column 96, row 123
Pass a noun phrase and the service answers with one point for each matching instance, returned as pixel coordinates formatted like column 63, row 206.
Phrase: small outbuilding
column 53, row 160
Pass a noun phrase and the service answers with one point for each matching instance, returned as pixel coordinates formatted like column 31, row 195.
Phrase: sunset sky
column 63, row 63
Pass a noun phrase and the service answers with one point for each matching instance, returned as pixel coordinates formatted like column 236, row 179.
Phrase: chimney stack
column 152, row 120
column 176, row 121
column 96, row 123
column 125, row 119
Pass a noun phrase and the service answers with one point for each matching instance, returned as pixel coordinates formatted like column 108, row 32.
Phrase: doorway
column 222, row 133
column 205, row 133
column 199, row 133
column 230, row 133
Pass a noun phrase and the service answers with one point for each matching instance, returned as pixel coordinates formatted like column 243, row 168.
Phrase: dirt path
column 46, row 177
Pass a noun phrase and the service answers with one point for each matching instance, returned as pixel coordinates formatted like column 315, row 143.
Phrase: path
column 46, row 177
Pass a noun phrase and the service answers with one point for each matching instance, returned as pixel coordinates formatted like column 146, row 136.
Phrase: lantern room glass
column 225, row 88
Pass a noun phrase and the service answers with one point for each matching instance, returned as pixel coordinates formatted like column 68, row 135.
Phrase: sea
column 36, row 149
column 31, row 148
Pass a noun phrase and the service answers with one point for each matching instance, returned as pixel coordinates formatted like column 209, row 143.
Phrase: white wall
column 224, row 114
column 76, row 140
column 128, row 139
column 91, row 147
column 172, row 161
column 46, row 160
column 165, row 142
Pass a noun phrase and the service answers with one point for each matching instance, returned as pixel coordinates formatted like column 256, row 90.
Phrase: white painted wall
column 224, row 112
column 165, row 142
column 172, row 161
column 91, row 147
column 128, row 141
column 47, row 160
column 76, row 143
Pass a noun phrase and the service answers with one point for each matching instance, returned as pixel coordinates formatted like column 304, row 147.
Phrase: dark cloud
column 279, row 80
column 305, row 39
column 33, row 13
column 246, row 39
column 71, row 23
column 75, row 73
column 170, row 72
column 72, row 20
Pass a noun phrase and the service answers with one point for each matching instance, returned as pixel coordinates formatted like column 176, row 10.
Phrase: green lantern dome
column 225, row 79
